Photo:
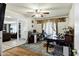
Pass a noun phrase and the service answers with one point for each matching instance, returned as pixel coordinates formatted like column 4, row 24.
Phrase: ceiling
column 55, row 9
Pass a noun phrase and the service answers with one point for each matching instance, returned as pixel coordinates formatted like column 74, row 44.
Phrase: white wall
column 25, row 27
column 76, row 19
column 0, row 42
column 71, row 17
column 38, row 27
column 74, row 22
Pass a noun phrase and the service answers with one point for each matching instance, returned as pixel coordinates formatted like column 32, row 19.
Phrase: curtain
column 50, row 30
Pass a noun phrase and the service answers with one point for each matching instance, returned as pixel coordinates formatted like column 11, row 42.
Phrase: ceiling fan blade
column 45, row 12
column 33, row 15
column 29, row 12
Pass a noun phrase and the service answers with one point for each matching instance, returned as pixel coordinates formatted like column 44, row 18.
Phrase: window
column 50, row 29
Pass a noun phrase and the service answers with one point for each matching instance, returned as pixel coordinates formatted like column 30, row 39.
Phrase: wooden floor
column 17, row 51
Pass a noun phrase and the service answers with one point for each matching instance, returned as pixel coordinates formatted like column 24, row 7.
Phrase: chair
column 6, row 37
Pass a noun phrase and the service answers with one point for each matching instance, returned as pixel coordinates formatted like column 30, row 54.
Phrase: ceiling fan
column 39, row 13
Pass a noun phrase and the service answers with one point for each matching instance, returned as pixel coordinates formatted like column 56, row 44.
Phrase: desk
column 52, row 40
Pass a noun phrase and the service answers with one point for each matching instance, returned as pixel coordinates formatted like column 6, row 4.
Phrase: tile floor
column 12, row 43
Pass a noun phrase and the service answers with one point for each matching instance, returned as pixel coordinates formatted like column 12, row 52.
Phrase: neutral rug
column 39, row 47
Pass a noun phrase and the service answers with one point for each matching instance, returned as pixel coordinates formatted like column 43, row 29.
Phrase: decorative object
column 74, row 51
